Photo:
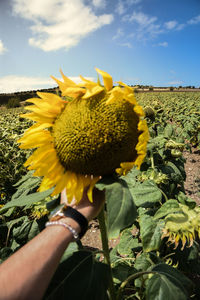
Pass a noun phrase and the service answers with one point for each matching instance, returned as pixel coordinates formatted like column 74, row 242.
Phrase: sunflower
column 182, row 226
column 91, row 131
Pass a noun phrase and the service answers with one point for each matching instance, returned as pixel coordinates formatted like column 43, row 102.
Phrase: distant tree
column 171, row 88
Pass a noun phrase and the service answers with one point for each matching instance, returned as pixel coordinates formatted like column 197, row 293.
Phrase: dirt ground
column 192, row 168
column 92, row 238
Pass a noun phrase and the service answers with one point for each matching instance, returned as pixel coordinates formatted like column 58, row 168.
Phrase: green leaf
column 174, row 279
column 5, row 253
column 121, row 270
column 186, row 200
column 143, row 262
column 20, row 233
column 171, row 206
column 9, row 212
column 174, row 171
column 168, row 131
column 34, row 230
column 151, row 232
column 79, row 277
column 121, row 210
column 13, row 222
column 159, row 287
column 130, row 178
column 146, row 194
column 14, row 245
column 128, row 244
column 26, row 200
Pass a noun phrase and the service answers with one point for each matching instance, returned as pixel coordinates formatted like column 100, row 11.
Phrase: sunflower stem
column 104, row 240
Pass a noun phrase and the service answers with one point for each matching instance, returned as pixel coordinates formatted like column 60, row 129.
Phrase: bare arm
column 27, row 273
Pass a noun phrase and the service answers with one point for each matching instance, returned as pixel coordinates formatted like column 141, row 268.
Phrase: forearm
column 27, row 273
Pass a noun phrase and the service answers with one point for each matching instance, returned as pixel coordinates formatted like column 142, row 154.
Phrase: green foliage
column 168, row 283
column 11, row 157
column 121, row 210
column 182, row 107
column 79, row 276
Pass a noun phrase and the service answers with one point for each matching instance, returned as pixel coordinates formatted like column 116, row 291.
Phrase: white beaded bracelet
column 72, row 230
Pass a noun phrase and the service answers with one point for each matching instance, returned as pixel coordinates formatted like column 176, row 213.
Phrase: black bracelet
column 78, row 217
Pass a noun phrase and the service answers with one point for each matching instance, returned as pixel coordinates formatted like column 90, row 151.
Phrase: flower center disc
column 91, row 137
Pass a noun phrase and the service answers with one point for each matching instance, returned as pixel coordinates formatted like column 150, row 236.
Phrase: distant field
column 22, row 96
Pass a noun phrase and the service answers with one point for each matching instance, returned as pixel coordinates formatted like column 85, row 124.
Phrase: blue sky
column 137, row 41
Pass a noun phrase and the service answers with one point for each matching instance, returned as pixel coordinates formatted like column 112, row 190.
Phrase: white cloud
column 120, row 8
column 163, row 44
column 141, row 18
column 130, row 2
column 124, row 5
column 171, row 24
column 118, row 34
column 127, row 44
column 14, row 83
column 175, row 82
column 2, row 48
column 99, row 3
column 60, row 23
column 145, row 27
column 194, row 20
column 180, row 26
column 174, row 25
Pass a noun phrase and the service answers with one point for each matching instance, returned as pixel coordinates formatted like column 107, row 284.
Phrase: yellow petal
column 45, row 184
column 116, row 94
column 42, row 112
column 38, row 118
column 92, row 184
column 46, row 106
column 87, row 83
column 79, row 189
column 37, row 128
column 67, row 81
column 73, row 92
column 92, row 92
column 60, row 185
column 107, row 79
column 139, row 110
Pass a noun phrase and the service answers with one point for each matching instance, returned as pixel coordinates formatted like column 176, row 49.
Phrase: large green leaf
column 26, row 200
column 146, row 194
column 150, row 231
column 168, row 284
column 79, row 277
column 121, row 270
column 186, row 200
column 159, row 287
column 20, row 233
column 168, row 131
column 174, row 275
column 143, row 262
column 121, row 210
column 128, row 244
column 171, row 206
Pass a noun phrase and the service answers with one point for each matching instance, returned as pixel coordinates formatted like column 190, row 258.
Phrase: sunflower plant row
column 11, row 157
column 181, row 108
column 96, row 135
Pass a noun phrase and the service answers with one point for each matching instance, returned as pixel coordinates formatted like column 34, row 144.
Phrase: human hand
column 85, row 207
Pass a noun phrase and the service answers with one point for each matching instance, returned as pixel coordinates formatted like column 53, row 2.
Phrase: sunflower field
column 147, row 209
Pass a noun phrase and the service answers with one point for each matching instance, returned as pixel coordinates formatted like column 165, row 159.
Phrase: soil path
column 192, row 169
